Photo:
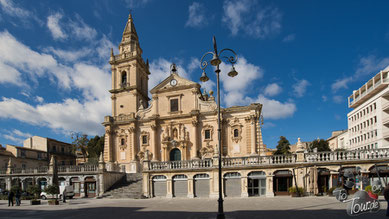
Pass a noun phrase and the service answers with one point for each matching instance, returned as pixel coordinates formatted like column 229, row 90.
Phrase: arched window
column 175, row 155
column 122, row 141
column 236, row 133
column 124, row 78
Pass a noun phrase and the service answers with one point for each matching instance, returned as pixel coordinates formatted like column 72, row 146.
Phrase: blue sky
column 300, row 59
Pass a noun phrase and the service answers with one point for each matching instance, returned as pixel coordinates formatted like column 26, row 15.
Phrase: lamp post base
column 220, row 213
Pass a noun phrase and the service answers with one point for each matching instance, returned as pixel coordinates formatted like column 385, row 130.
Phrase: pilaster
column 190, row 188
column 269, row 185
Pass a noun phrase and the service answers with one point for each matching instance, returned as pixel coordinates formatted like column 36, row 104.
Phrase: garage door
column 232, row 185
column 201, row 185
column 159, row 186
column 180, row 186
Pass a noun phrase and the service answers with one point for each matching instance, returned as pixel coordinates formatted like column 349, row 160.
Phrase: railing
column 348, row 155
column 72, row 169
column 3, row 171
column 275, row 160
column 186, row 164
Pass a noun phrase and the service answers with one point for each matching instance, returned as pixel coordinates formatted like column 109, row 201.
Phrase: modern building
column 368, row 122
column 178, row 123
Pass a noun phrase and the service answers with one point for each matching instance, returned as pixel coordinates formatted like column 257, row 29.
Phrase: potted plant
column 52, row 190
column 293, row 191
column 35, row 191
column 370, row 192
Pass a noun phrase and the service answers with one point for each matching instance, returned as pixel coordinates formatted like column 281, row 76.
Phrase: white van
column 68, row 191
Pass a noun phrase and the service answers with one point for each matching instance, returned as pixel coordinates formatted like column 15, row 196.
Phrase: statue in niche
column 175, row 133
column 187, row 136
column 165, row 135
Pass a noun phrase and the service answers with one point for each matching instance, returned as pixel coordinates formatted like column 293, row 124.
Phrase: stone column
column 154, row 135
column 269, row 185
column 244, row 188
column 190, row 187
column 108, row 145
column 8, row 183
column 146, row 185
column 195, row 147
column 253, row 137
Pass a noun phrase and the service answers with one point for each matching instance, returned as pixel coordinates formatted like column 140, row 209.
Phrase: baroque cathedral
column 179, row 122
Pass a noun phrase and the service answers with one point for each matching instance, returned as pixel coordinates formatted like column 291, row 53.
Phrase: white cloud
column 80, row 30
column 54, row 26
column 193, row 65
column 272, row 89
column 247, row 73
column 83, row 114
column 324, row 98
column 39, row 99
column 9, row 74
column 300, row 88
column 196, row 15
column 338, row 99
column 35, row 64
column 247, row 16
column 136, row 3
column 371, row 65
column 289, row 38
column 274, row 109
column 160, row 70
column 341, row 83
column 10, row 9
column 69, row 55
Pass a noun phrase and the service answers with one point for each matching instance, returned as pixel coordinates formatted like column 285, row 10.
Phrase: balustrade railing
column 320, row 157
column 186, row 164
column 348, row 155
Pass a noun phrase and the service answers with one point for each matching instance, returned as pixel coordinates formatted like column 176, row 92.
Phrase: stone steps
column 130, row 186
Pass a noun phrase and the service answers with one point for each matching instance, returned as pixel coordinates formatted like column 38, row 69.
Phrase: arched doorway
column 323, row 180
column 282, row 180
column 232, row 184
column 159, row 186
column 175, row 154
column 201, row 185
column 256, row 183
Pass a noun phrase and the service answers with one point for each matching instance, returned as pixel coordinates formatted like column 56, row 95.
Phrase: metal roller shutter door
column 159, row 188
column 201, row 188
column 232, row 187
column 180, row 188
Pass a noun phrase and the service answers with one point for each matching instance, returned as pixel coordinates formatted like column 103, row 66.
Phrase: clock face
column 173, row 82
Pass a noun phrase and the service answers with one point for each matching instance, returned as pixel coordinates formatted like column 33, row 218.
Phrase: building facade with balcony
column 368, row 122
column 63, row 151
column 178, row 123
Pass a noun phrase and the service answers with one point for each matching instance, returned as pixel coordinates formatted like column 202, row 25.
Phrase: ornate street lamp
column 216, row 61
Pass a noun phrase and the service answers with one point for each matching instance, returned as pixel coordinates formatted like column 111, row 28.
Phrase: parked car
column 68, row 191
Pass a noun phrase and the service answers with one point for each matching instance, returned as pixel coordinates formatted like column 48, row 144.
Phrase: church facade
column 178, row 123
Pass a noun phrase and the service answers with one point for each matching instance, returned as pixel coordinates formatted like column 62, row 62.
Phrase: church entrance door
column 175, row 155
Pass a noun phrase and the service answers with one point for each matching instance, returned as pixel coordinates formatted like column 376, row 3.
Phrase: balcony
column 271, row 161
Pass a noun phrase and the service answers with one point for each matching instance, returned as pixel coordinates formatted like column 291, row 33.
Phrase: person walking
column 386, row 195
column 17, row 197
column 11, row 198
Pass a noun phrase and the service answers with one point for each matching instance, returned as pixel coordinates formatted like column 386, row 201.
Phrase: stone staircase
column 130, row 186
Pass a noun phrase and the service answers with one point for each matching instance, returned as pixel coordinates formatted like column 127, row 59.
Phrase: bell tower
column 130, row 74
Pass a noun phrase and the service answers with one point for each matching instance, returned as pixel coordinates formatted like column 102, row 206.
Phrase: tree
column 320, row 144
column 283, row 146
column 34, row 190
column 80, row 143
column 95, row 148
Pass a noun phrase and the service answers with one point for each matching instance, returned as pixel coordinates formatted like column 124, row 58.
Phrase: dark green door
column 175, row 155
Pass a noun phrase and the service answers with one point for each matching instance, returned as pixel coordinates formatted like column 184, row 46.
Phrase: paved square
column 255, row 207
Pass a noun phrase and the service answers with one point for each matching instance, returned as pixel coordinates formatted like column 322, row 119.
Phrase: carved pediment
column 180, row 83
